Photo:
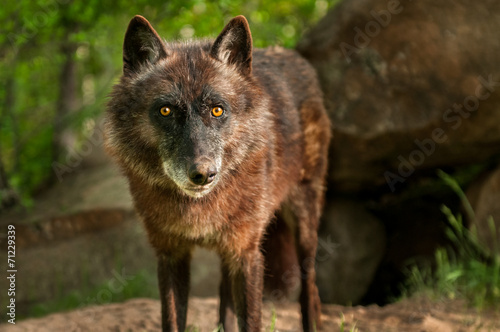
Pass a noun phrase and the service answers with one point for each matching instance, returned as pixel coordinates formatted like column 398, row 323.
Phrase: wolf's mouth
column 187, row 185
column 198, row 191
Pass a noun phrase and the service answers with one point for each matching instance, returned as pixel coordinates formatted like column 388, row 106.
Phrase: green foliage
column 272, row 328
column 342, row 326
column 34, row 35
column 455, row 186
column 468, row 271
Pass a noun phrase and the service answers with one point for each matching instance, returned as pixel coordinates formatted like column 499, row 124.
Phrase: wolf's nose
column 202, row 173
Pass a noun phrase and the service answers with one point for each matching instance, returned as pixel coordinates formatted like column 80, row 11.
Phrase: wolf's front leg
column 247, row 286
column 173, row 280
column 227, row 314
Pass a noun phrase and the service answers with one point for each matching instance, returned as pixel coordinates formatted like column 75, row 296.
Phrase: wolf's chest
column 211, row 223
column 200, row 225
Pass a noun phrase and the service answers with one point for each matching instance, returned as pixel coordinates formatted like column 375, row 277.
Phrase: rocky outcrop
column 409, row 85
column 350, row 250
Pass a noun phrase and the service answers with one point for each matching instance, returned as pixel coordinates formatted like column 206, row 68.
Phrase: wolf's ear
column 234, row 45
column 141, row 45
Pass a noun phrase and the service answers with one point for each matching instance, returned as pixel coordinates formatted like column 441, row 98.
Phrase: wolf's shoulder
column 277, row 56
column 281, row 69
column 280, row 61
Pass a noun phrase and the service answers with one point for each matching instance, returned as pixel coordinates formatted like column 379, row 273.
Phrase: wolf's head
column 181, row 109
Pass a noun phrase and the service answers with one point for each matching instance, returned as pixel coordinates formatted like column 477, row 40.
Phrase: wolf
column 219, row 141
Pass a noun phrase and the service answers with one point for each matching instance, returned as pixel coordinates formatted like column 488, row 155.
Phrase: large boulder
column 350, row 249
column 409, row 85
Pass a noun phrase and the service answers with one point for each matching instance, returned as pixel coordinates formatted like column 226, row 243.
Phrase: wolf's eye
column 165, row 111
column 217, row 111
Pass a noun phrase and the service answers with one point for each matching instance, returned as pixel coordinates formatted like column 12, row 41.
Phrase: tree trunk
column 8, row 196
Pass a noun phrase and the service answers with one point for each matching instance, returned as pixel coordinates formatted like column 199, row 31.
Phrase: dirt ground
column 144, row 315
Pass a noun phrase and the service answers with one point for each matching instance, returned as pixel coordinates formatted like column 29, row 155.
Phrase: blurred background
column 412, row 88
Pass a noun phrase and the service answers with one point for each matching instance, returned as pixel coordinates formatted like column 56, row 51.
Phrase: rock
column 351, row 246
column 47, row 232
column 484, row 195
column 409, row 86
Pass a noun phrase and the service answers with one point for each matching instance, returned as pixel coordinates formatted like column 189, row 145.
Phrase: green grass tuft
column 469, row 271
column 272, row 328
column 342, row 326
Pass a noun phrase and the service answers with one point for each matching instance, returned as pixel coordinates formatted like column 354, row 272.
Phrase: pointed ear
column 234, row 45
column 141, row 45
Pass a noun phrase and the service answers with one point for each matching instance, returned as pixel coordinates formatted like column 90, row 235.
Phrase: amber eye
column 217, row 111
column 165, row 111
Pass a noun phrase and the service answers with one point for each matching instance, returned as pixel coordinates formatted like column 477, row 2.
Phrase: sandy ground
column 144, row 315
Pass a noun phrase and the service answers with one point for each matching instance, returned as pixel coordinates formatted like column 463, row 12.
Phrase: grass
column 342, row 326
column 273, row 321
column 468, row 271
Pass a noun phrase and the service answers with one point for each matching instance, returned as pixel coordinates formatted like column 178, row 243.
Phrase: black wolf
column 218, row 140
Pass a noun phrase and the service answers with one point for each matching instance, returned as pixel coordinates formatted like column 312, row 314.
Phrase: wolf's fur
column 197, row 179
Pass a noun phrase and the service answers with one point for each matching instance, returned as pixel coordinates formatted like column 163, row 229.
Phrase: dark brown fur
column 272, row 145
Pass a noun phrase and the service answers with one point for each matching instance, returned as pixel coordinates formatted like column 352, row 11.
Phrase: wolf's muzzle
column 202, row 172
